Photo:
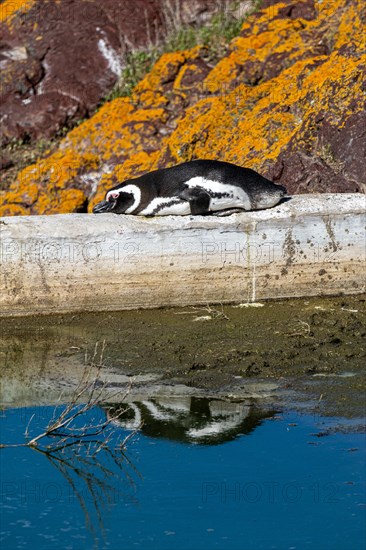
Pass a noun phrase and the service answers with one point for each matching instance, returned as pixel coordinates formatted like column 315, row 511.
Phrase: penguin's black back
column 169, row 181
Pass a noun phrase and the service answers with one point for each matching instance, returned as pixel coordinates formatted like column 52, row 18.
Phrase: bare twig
column 300, row 328
column 63, row 429
column 214, row 313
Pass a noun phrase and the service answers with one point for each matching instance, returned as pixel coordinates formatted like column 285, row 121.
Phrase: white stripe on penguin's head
column 133, row 190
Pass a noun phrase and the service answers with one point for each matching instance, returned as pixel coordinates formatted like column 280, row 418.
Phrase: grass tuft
column 215, row 35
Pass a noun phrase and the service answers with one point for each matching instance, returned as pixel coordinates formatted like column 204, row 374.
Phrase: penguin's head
column 118, row 200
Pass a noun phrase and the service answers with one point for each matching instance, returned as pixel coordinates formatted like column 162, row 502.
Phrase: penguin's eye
column 113, row 196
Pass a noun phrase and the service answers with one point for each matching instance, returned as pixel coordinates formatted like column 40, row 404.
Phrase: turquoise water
column 190, row 480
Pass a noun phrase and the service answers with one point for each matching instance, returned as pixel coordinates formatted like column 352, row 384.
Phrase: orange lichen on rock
column 287, row 96
column 352, row 29
column 108, row 137
column 121, row 140
column 251, row 127
column 252, row 123
column 67, row 200
column 45, row 186
column 166, row 70
column 10, row 8
column 270, row 39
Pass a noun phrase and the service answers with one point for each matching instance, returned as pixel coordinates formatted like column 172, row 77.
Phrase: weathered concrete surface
column 310, row 245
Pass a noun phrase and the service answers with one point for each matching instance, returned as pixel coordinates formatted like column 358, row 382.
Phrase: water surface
column 251, row 480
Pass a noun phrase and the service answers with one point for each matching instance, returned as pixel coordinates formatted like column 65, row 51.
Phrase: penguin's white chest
column 160, row 206
column 166, row 206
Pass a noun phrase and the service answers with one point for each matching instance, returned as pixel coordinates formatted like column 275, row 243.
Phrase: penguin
column 198, row 187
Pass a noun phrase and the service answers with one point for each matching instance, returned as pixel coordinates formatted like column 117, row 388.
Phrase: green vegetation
column 138, row 64
column 215, row 35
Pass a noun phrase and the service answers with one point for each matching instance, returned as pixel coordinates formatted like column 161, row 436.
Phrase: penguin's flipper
column 199, row 200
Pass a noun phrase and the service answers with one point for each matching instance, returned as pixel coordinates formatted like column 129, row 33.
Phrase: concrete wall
column 310, row 245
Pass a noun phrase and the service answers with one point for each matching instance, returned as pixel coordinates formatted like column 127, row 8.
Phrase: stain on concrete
column 289, row 248
column 330, row 230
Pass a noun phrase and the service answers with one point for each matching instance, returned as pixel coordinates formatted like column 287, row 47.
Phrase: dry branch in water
column 88, row 453
column 71, row 426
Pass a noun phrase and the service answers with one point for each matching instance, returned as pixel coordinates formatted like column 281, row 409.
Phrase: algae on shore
column 309, row 352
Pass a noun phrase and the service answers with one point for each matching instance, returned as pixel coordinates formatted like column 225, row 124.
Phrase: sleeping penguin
column 196, row 187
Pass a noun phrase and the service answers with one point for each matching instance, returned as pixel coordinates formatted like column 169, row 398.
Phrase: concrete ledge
column 310, row 245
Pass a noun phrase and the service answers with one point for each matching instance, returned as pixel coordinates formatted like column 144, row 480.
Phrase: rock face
column 287, row 100
column 59, row 59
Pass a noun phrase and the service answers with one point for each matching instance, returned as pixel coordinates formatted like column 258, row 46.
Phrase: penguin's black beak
column 103, row 206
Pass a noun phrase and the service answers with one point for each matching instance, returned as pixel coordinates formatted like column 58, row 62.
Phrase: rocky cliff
column 288, row 100
column 59, row 58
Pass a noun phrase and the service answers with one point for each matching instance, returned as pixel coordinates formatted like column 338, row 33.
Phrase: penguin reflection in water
column 196, row 187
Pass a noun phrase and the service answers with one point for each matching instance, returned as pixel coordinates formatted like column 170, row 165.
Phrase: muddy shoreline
column 305, row 354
